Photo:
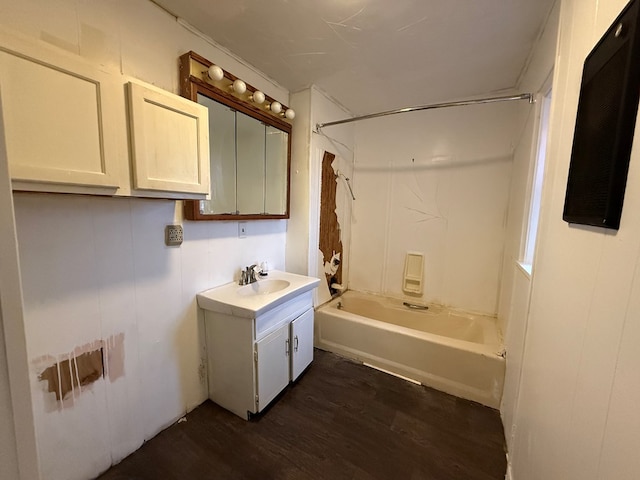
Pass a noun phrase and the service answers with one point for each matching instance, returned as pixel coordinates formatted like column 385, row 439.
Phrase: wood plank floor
column 341, row 420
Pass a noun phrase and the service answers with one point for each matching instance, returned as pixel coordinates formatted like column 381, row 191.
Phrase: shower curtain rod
column 506, row 98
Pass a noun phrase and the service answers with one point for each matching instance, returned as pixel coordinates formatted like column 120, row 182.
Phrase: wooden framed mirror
column 250, row 148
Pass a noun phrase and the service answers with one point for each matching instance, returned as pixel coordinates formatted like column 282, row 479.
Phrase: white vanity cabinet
column 251, row 360
column 73, row 127
column 274, row 372
column 259, row 339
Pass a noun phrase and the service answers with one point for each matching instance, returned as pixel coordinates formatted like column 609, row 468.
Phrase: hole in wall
column 69, row 374
column 330, row 244
column 66, row 376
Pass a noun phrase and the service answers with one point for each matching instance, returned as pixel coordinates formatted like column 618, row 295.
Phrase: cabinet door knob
column 295, row 343
column 286, row 347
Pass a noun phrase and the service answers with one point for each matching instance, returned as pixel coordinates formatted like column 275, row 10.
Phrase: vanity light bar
column 228, row 83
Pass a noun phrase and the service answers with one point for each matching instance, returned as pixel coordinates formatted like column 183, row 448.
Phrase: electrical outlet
column 242, row 229
column 173, row 235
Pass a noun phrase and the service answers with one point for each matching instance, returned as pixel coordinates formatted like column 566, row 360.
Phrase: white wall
column 577, row 414
column 9, row 466
column 298, row 225
column 18, row 446
column 313, row 106
column 436, row 182
column 8, row 446
column 516, row 283
column 97, row 267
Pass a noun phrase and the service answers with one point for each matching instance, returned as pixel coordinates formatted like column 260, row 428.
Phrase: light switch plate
column 242, row 229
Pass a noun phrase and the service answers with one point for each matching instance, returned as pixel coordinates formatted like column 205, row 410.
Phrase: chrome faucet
column 248, row 275
column 251, row 274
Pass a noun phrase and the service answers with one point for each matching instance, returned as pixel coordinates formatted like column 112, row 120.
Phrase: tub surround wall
column 435, row 182
column 95, row 269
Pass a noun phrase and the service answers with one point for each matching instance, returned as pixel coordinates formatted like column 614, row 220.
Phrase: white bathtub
column 453, row 351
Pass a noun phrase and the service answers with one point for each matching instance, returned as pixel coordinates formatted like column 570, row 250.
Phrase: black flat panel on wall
column 606, row 119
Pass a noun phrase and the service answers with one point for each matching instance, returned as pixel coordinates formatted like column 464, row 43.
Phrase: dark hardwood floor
column 341, row 420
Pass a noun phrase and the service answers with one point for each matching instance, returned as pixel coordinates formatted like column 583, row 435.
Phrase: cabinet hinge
column 257, row 400
column 255, row 355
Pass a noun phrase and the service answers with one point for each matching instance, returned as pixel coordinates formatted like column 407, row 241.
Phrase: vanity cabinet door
column 169, row 141
column 272, row 365
column 301, row 343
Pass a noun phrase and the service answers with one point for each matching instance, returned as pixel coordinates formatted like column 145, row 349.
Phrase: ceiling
column 373, row 55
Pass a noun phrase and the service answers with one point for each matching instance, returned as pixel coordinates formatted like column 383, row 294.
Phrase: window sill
column 526, row 268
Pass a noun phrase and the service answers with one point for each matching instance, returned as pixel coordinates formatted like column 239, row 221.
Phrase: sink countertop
column 226, row 299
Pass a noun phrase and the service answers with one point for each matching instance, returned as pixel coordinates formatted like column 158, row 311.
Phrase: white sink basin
column 254, row 299
column 264, row 287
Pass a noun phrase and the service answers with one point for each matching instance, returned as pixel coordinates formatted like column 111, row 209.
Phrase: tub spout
column 415, row 306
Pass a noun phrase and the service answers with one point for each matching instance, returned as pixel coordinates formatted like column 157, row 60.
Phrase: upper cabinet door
column 169, row 141
column 59, row 121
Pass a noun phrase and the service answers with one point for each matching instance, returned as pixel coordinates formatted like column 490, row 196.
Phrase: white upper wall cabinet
column 59, row 120
column 169, row 141
column 72, row 127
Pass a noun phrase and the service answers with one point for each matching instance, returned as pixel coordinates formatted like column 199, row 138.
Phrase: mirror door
column 250, row 150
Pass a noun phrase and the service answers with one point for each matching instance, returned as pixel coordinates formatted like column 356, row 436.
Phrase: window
column 536, row 185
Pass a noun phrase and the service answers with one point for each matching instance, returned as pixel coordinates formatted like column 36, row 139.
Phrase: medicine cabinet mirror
column 250, row 148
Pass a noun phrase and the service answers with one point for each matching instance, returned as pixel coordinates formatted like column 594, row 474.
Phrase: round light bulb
column 215, row 73
column 239, row 86
column 276, row 107
column 258, row 97
column 290, row 114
